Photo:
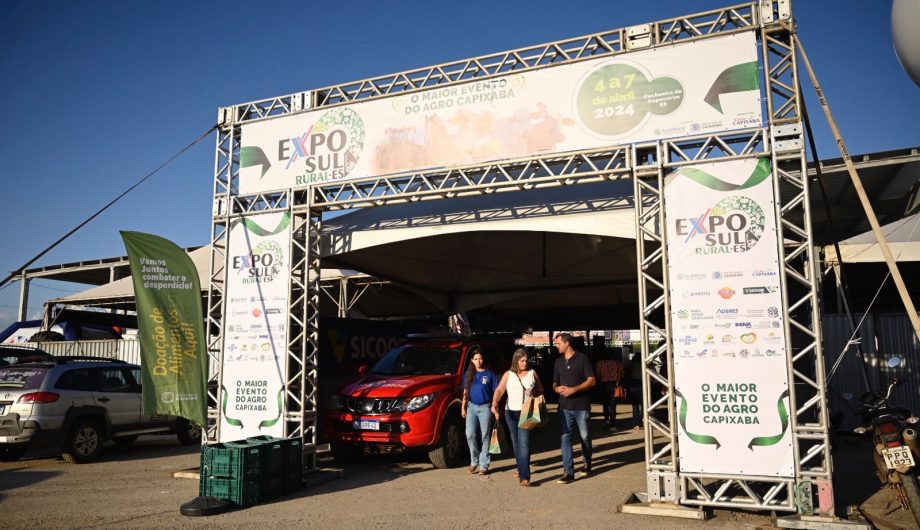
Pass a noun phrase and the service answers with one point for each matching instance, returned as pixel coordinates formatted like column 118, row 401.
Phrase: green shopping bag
column 499, row 443
column 533, row 413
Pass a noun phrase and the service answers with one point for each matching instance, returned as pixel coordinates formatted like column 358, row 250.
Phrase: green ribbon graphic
column 698, row 438
column 783, row 419
column 739, row 78
column 254, row 156
column 269, row 423
column 253, row 227
column 231, row 421
column 761, row 172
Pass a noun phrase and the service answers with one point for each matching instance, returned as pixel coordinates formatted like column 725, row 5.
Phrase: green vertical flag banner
column 174, row 362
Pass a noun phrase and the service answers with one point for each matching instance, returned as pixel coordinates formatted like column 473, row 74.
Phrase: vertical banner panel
column 174, row 363
column 695, row 88
column 255, row 334
column 728, row 334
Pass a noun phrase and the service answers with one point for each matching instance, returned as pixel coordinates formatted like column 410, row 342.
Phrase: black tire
column 909, row 484
column 188, row 433
column 11, row 454
column 125, row 440
column 83, row 442
column 449, row 451
column 344, row 453
column 47, row 336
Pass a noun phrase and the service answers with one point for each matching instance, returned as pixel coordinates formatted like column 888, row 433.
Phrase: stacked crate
column 282, row 465
column 232, row 471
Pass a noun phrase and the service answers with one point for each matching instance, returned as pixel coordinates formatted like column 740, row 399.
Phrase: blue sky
column 96, row 94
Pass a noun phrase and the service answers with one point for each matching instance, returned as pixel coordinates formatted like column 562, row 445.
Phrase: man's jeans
column 571, row 419
column 479, row 433
column 520, row 441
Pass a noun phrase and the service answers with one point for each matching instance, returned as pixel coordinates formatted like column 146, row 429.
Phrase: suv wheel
column 188, row 433
column 83, row 442
column 449, row 451
column 11, row 454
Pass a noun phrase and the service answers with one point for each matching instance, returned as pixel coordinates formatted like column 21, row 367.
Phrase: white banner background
column 690, row 88
column 255, row 327
column 727, row 324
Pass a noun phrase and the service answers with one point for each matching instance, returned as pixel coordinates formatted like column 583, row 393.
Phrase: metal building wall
column 885, row 335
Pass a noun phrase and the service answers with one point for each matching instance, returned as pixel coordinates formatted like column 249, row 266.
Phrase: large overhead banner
column 728, row 333
column 691, row 88
column 255, row 327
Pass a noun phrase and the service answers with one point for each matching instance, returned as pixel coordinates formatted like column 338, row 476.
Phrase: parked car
column 409, row 400
column 75, row 404
column 18, row 354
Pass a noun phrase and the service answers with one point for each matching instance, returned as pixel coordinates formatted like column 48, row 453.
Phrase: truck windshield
column 408, row 360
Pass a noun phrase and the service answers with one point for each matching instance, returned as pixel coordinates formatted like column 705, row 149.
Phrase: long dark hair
column 518, row 353
column 471, row 371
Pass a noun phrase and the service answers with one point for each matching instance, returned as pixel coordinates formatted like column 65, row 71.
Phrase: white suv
column 75, row 404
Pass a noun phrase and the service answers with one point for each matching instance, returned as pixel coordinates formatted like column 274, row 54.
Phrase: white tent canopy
column 903, row 238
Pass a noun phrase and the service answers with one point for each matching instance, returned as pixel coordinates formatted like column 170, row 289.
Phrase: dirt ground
column 132, row 487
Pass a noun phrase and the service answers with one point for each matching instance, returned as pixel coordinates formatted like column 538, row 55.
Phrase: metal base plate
column 637, row 504
column 820, row 523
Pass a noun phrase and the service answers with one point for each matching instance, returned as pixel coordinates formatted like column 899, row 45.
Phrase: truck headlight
column 417, row 403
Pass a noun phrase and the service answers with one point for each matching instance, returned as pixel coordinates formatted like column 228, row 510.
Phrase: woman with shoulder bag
column 519, row 382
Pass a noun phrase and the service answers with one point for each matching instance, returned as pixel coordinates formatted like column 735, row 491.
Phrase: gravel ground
column 132, row 487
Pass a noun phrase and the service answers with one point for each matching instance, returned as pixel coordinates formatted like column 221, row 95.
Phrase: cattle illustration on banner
column 255, row 329
column 729, row 340
column 700, row 87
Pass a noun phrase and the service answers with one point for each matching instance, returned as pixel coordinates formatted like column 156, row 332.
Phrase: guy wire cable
column 18, row 271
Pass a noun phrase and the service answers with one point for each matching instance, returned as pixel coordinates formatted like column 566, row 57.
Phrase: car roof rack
column 71, row 358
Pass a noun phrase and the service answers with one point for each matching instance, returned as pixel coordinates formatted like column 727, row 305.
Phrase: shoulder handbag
column 533, row 411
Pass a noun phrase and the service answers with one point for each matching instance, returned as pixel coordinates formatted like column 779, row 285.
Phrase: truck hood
column 391, row 386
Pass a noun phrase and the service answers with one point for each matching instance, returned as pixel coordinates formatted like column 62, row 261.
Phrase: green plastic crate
column 272, row 487
column 231, row 460
column 241, row 492
column 293, row 465
column 273, row 453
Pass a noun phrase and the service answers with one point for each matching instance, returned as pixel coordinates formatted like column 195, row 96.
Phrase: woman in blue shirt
column 479, row 385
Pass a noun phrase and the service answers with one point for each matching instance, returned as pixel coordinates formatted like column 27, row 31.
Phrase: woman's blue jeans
column 520, row 441
column 479, row 433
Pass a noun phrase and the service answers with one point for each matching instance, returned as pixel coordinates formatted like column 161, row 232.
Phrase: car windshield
column 22, row 377
column 409, row 360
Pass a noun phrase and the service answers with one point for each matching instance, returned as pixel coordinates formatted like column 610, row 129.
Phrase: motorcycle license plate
column 366, row 425
column 896, row 457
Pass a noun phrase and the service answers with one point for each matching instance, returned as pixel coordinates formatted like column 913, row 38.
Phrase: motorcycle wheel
column 912, row 492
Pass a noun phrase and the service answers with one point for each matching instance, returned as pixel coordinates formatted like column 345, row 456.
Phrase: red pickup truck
column 409, row 400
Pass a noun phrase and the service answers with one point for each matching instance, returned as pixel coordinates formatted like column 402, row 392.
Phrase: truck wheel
column 344, row 453
column 909, row 484
column 11, row 454
column 83, row 442
column 448, row 453
column 125, row 440
column 188, row 433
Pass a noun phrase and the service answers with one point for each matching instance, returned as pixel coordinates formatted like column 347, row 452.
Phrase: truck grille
column 372, row 405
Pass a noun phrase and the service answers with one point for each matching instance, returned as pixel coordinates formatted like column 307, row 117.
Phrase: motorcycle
column 894, row 436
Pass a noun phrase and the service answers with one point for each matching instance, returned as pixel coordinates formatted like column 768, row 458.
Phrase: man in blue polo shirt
column 573, row 377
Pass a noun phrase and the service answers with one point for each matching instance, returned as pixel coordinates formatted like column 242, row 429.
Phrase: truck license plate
column 366, row 425
column 896, row 457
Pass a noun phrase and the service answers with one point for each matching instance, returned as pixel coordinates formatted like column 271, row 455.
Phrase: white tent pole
column 864, row 199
